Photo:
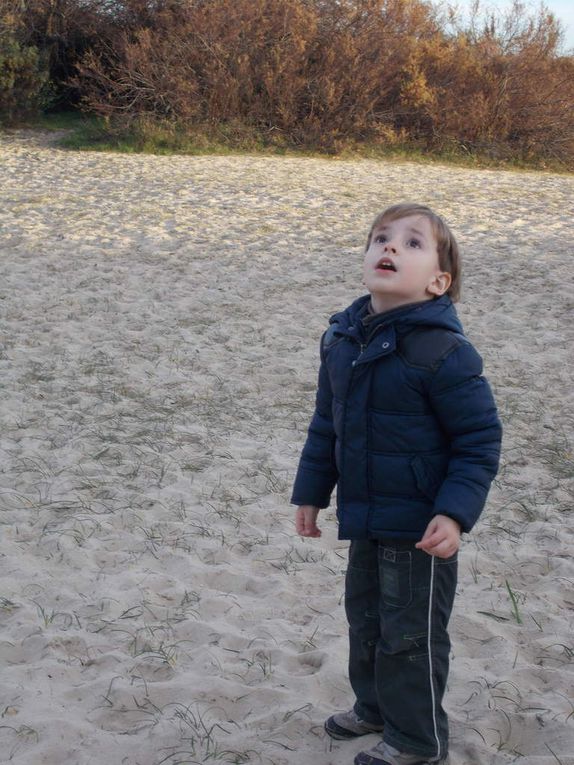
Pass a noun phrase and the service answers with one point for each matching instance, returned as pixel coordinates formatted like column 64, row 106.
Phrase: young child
column 406, row 427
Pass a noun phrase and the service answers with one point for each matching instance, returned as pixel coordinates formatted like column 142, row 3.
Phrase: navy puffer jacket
column 405, row 425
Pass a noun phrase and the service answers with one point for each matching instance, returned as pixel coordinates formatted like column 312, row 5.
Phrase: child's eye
column 414, row 243
column 380, row 238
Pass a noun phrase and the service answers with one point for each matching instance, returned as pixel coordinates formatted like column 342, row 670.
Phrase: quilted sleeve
column 463, row 402
column 317, row 474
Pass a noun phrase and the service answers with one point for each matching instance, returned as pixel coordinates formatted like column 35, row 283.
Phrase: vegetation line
column 359, row 78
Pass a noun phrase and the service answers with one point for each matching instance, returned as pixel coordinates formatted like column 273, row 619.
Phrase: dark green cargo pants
column 398, row 602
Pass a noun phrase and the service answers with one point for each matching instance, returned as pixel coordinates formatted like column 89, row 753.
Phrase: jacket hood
column 439, row 313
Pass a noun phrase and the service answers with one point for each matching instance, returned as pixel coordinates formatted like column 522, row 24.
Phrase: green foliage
column 23, row 79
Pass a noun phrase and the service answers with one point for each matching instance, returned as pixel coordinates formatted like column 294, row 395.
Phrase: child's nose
column 390, row 248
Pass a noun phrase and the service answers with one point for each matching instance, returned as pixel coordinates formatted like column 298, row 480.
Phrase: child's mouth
column 386, row 265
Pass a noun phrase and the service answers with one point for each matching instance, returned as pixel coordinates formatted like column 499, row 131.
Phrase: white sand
column 160, row 327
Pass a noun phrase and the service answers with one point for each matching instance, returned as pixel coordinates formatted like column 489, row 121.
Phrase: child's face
column 401, row 265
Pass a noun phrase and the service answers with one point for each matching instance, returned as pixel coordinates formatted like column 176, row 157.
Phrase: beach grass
column 88, row 132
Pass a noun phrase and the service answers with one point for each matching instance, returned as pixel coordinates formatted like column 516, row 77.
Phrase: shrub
column 23, row 79
column 62, row 31
column 319, row 73
column 498, row 86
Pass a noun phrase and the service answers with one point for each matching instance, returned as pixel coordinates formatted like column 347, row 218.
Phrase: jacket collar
column 439, row 312
column 379, row 336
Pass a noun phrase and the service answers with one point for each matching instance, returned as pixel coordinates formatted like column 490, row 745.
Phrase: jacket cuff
column 464, row 520
column 312, row 488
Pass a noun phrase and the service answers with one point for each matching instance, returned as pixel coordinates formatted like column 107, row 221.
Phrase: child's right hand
column 306, row 521
column 441, row 538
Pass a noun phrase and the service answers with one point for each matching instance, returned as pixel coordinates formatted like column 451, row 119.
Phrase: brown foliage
column 316, row 72
column 499, row 87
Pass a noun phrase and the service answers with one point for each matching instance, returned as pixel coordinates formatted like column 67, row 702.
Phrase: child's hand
column 441, row 538
column 306, row 521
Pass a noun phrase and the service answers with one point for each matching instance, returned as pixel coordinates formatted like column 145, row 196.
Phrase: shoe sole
column 343, row 734
column 361, row 759
column 340, row 734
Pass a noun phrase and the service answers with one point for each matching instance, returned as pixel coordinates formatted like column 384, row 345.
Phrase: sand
column 158, row 356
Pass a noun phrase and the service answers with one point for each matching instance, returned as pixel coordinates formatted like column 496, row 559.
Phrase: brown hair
column 447, row 247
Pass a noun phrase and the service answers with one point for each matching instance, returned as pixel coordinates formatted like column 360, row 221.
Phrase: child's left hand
column 441, row 538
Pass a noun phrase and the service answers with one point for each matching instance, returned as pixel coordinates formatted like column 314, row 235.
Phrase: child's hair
column 447, row 247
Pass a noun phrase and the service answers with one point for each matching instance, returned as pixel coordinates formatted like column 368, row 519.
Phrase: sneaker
column 385, row 754
column 347, row 725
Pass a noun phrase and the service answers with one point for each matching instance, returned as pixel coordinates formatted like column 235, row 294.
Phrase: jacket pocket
column 426, row 478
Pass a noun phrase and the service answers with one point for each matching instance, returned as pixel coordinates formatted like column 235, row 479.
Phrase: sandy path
column 158, row 352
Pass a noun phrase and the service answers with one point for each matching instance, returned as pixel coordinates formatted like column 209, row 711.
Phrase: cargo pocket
column 395, row 567
column 361, row 604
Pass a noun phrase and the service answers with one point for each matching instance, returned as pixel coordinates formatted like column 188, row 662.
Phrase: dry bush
column 319, row 73
column 497, row 85
column 202, row 61
column 453, row 91
column 356, row 68
column 541, row 102
column 314, row 71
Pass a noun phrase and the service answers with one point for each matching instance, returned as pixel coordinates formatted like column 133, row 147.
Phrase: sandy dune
column 158, row 354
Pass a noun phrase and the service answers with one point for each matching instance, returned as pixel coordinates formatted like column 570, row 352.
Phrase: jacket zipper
column 362, row 347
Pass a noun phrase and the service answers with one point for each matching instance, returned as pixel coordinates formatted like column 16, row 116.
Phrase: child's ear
column 440, row 283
